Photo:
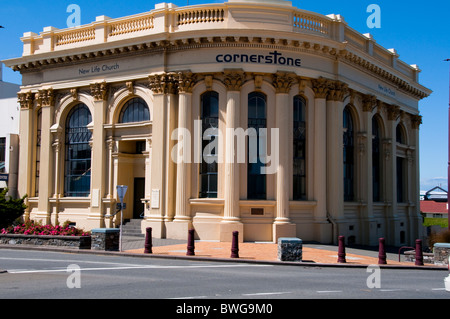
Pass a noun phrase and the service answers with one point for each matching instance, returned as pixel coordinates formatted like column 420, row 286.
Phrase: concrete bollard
column 341, row 252
column 235, row 245
column 419, row 253
column 148, row 241
column 190, row 243
column 381, row 252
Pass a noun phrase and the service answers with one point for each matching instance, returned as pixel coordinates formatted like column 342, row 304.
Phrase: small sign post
column 121, row 191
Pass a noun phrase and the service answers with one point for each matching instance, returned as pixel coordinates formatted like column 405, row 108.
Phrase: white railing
column 75, row 36
column 311, row 23
column 131, row 25
column 201, row 16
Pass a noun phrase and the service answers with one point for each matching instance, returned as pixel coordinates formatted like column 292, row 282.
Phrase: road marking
column 328, row 291
column 266, row 293
column 195, row 297
column 18, row 271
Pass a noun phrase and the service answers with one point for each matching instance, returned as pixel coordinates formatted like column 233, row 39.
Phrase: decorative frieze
column 321, row 87
column 337, row 91
column 416, row 121
column 164, row 83
column 393, row 111
column 186, row 82
column 369, row 103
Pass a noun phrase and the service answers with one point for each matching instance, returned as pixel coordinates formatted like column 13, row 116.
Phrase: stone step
column 133, row 228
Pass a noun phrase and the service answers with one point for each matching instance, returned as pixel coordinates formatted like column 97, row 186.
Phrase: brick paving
column 260, row 252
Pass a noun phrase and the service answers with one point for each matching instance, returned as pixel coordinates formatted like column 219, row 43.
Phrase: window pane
column 208, row 168
column 299, row 159
column 256, row 182
column 78, row 153
column 135, row 110
column 348, row 156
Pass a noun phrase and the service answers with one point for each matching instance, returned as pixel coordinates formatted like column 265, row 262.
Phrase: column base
column 178, row 229
column 284, row 230
column 227, row 228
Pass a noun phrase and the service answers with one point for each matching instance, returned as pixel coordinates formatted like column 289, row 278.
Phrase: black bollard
column 235, row 245
column 148, row 241
column 341, row 252
column 191, row 243
column 381, row 252
column 419, row 253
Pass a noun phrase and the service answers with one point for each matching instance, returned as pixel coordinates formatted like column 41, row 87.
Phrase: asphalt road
column 54, row 275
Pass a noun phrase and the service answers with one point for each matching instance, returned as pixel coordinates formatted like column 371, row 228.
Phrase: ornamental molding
column 26, row 100
column 339, row 52
column 45, row 97
column 233, row 79
column 283, row 82
column 99, row 91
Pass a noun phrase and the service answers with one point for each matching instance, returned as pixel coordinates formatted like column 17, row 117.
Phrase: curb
column 233, row 260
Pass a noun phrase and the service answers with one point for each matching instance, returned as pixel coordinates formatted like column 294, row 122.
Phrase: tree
column 10, row 208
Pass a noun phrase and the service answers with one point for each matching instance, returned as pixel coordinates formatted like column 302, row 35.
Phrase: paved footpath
column 321, row 254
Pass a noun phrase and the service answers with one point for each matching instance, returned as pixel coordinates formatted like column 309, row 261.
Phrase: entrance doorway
column 139, row 193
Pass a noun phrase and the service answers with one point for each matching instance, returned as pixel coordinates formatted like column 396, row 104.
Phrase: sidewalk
column 314, row 253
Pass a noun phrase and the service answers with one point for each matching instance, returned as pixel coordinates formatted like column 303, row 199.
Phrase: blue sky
column 418, row 30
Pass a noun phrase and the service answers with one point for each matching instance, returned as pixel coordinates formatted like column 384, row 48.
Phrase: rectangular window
column 210, row 125
column 299, row 160
column 38, row 152
column 400, row 180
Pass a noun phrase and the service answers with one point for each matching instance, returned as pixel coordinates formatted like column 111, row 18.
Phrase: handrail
column 403, row 247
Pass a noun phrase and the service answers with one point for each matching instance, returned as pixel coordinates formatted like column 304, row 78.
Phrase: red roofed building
column 434, row 209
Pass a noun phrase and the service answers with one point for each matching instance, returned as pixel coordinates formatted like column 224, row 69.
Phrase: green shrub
column 10, row 209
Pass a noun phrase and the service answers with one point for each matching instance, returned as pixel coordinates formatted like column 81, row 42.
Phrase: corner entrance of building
column 139, row 194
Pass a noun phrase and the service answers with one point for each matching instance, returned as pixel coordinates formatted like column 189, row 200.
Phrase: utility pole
column 448, row 166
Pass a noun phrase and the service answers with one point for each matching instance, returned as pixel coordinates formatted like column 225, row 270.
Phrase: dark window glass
column 299, row 160
column 77, row 181
column 256, row 182
column 399, row 135
column 38, row 151
column 208, row 167
column 349, row 156
column 400, row 180
column 376, row 161
column 135, row 110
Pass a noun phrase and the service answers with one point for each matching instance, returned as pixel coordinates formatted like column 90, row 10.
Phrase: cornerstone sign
column 274, row 57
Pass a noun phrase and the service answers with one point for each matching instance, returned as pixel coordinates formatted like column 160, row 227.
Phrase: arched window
column 77, row 181
column 349, row 156
column 210, row 124
column 299, row 160
column 135, row 110
column 256, row 181
column 376, row 160
column 400, row 134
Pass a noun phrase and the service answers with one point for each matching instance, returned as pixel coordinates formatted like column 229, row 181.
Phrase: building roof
column 430, row 206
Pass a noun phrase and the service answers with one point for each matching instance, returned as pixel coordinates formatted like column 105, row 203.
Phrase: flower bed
column 32, row 233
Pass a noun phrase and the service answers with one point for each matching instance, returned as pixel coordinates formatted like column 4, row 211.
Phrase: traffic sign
column 121, row 191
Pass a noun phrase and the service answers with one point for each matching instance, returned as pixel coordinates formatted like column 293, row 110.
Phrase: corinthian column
column 231, row 216
column 45, row 99
column 282, row 226
column 321, row 88
column 186, row 82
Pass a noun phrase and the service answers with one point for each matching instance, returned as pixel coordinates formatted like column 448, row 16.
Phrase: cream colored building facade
column 107, row 98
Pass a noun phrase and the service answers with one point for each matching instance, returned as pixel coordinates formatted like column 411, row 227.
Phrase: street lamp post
column 448, row 166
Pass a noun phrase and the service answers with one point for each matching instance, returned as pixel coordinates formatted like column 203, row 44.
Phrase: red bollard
column 235, row 245
column 381, row 252
column 341, row 252
column 419, row 253
column 191, row 243
column 148, row 241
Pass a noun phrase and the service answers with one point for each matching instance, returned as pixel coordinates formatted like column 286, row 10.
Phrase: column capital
column 369, row 102
column 45, row 97
column 185, row 81
column 100, row 91
column 234, row 79
column 283, row 82
column 321, row 87
column 416, row 121
column 337, row 91
column 164, row 83
column 393, row 111
column 26, row 100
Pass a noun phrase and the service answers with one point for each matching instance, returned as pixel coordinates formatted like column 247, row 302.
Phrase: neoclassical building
column 251, row 116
